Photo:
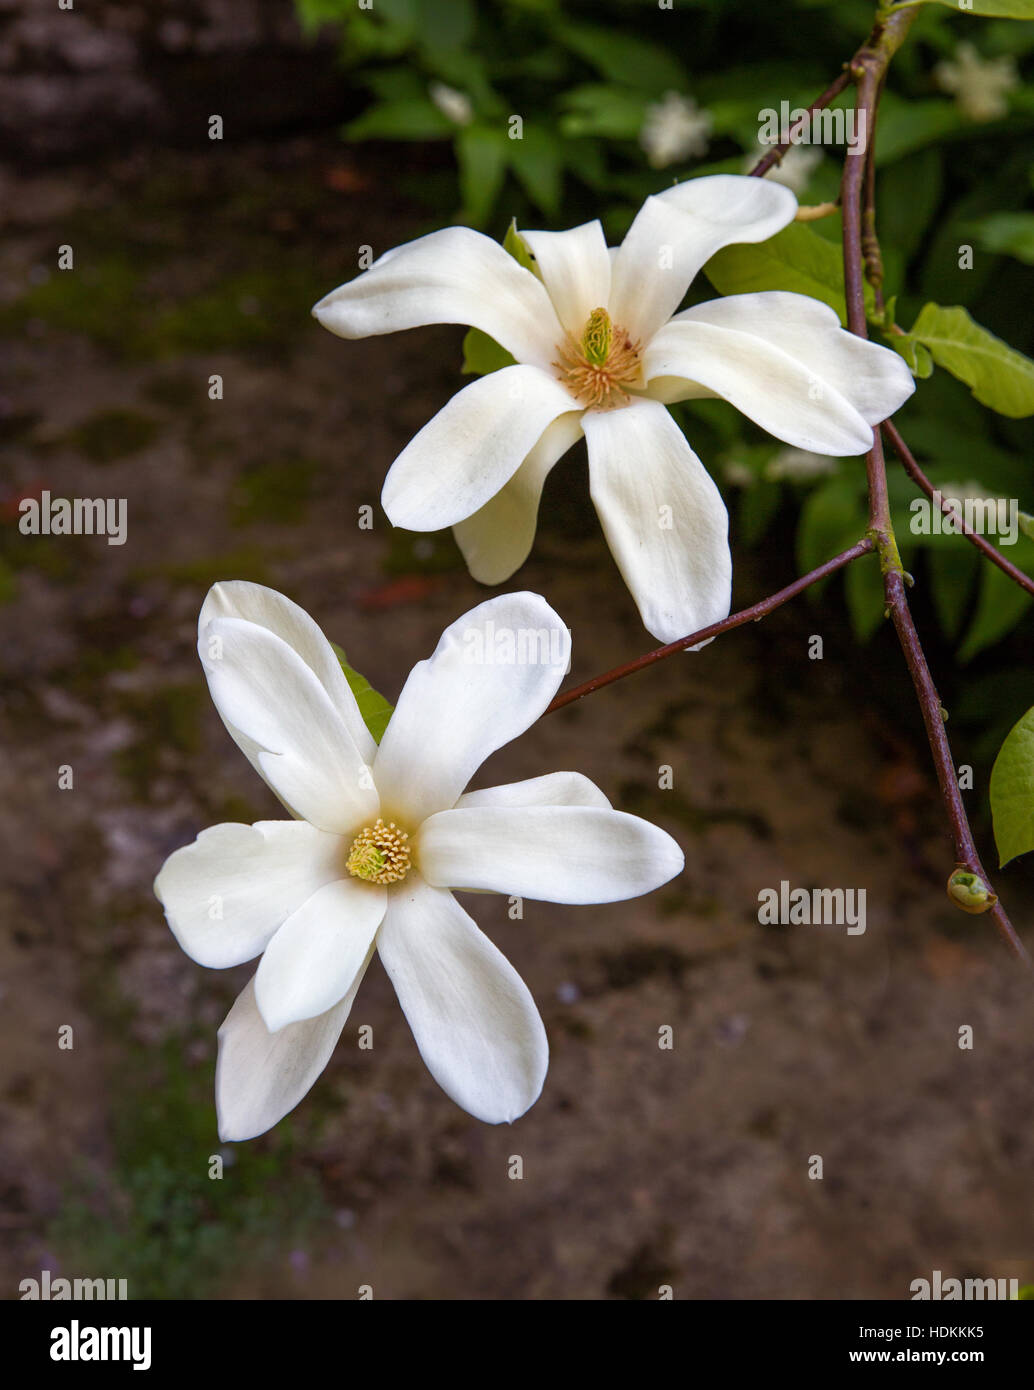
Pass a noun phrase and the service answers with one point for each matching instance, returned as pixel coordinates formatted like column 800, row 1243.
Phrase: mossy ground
column 642, row 1165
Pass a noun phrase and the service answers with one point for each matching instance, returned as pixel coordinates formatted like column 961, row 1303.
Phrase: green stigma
column 596, row 339
column 366, row 862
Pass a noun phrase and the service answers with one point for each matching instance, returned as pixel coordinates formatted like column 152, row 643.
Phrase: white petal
column 676, row 232
column 314, row 958
column 575, row 268
column 237, row 598
column 497, row 538
column 260, row 1075
column 874, row 380
column 471, row 448
column 226, row 894
column 472, row 1016
column 263, row 688
column 452, row 276
column 643, row 474
column 490, row 677
column 554, row 789
column 562, row 854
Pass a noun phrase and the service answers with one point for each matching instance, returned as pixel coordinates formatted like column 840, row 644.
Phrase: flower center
column 379, row 853
column 597, row 368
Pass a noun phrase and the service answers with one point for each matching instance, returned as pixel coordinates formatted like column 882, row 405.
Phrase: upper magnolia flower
column 382, row 835
column 599, row 350
column 674, row 128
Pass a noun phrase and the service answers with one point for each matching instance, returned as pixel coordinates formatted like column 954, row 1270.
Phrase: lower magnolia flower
column 382, row 835
column 599, row 350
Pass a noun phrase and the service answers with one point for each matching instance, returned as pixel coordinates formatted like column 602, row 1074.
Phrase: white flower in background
column 674, row 128
column 600, row 351
column 979, row 84
column 454, row 105
column 382, row 835
column 737, row 473
column 798, row 466
column 793, row 171
column 971, row 491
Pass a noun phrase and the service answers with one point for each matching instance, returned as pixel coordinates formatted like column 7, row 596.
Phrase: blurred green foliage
column 954, row 171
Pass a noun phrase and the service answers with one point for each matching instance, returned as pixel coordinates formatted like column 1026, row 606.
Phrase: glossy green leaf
column 796, row 259
column 1000, row 606
column 998, row 375
column 1012, row 791
column 374, row 708
column 482, row 354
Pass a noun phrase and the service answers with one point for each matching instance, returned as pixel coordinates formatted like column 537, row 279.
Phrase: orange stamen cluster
column 597, row 369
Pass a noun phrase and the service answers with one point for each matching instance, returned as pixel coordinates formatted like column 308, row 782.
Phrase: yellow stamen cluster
column 596, row 369
column 379, row 853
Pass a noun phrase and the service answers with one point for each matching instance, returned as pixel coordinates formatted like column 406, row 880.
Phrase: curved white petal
column 260, row 1075
column 554, row 789
column 562, row 854
column 255, row 603
column 472, row 1015
column 313, row 959
column 490, row 677
column 874, row 380
column 663, row 517
column 677, row 231
column 496, row 539
column 226, row 894
column 575, row 269
column 471, row 448
column 452, row 276
column 263, row 688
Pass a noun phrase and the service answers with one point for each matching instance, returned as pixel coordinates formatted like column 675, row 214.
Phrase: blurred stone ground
column 642, row 1167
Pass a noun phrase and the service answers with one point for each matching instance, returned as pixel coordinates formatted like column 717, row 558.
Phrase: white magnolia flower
column 793, row 171
column 381, row 836
column 674, row 128
column 454, row 105
column 978, row 84
column 600, row 350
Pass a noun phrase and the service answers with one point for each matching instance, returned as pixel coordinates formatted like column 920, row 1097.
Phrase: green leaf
column 622, row 58
column 796, row 259
column 407, row 119
column 1012, row 791
column 537, row 162
column 952, row 576
column 998, row 375
column 1000, row 9
column 907, row 126
column 999, row 608
column 481, row 152
column 1008, row 234
column 518, row 248
column 1026, row 524
column 615, row 113
column 759, row 504
column 483, row 355
column 832, row 518
column 866, row 602
column 920, row 362
column 374, row 708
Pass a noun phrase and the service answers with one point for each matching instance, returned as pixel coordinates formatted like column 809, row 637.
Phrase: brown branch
column 868, row 68
column 746, row 615
column 776, row 153
column 921, row 481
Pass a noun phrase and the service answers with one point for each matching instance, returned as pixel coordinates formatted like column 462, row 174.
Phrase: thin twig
column 868, row 67
column 746, row 615
column 921, row 481
column 776, row 153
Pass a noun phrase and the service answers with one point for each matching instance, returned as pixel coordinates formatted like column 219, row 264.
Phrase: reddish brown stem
column 921, row 481
column 746, row 615
column 776, row 153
